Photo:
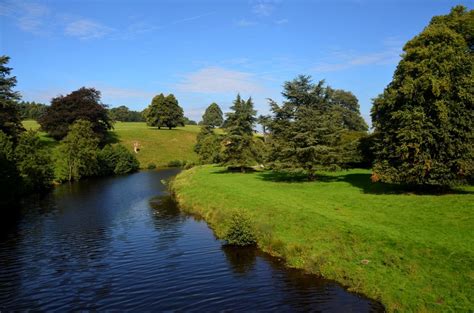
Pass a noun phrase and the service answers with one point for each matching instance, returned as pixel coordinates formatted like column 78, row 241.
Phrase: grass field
column 414, row 253
column 156, row 146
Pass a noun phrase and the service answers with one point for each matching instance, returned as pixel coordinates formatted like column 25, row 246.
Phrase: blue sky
column 207, row 51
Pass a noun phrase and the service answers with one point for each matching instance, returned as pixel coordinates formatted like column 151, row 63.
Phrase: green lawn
column 156, row 146
column 414, row 253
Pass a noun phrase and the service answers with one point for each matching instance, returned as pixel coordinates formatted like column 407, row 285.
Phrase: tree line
column 423, row 121
column 79, row 121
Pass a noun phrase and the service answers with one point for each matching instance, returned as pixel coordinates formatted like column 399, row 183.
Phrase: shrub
column 151, row 166
column 240, row 231
column 116, row 160
column 176, row 163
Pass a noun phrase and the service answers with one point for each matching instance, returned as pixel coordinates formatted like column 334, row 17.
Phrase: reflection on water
column 122, row 244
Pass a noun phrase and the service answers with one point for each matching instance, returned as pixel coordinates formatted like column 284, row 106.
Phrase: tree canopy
column 78, row 152
column 213, row 116
column 239, row 149
column 124, row 114
column 306, row 128
column 10, row 120
column 164, row 112
column 82, row 104
column 424, row 118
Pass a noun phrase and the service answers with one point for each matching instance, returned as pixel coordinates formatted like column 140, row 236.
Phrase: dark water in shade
column 122, row 244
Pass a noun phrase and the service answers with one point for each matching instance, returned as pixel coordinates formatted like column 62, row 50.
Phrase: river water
column 121, row 243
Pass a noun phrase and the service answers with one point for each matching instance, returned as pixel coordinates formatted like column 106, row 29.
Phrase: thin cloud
column 219, row 80
column 119, row 93
column 343, row 62
column 263, row 7
column 86, row 29
column 192, row 18
column 30, row 17
column 246, row 23
column 281, row 21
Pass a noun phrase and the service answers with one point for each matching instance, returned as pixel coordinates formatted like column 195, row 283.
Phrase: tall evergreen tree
column 213, row 116
column 424, row 120
column 305, row 129
column 239, row 149
column 164, row 112
column 10, row 120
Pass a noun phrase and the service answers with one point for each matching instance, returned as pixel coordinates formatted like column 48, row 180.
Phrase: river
column 121, row 243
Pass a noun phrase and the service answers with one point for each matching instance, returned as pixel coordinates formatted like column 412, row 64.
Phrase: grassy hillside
column 415, row 253
column 156, row 146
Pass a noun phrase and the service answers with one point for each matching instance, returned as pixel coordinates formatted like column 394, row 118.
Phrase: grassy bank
column 156, row 146
column 411, row 252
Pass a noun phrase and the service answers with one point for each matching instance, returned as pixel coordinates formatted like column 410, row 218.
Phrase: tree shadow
column 231, row 169
column 362, row 181
column 111, row 138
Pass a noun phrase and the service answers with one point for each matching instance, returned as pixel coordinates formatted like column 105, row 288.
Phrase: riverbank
column 411, row 252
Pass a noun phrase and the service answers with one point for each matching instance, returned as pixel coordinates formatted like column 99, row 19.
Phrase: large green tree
column 208, row 145
column 10, row 181
column 424, row 118
column 239, row 149
column 33, row 162
column 164, row 112
column 82, row 104
column 348, row 105
column 305, row 129
column 78, row 152
column 10, row 120
column 213, row 116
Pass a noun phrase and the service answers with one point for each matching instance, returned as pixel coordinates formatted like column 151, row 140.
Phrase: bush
column 151, row 166
column 240, row 231
column 176, row 163
column 116, row 160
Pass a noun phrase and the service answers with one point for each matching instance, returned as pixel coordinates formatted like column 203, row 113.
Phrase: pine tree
column 10, row 120
column 239, row 149
column 213, row 116
column 164, row 112
column 305, row 129
column 424, row 120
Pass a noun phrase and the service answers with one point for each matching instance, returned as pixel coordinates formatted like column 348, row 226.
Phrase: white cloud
column 281, row 21
column 30, row 17
column 263, row 7
column 345, row 61
column 219, row 80
column 119, row 93
column 86, row 29
column 246, row 23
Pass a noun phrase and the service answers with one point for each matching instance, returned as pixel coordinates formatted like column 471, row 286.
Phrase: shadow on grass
column 231, row 169
column 111, row 138
column 361, row 181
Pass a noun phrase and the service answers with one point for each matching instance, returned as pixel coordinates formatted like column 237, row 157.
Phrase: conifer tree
column 424, row 120
column 305, row 129
column 213, row 116
column 239, row 149
column 10, row 120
